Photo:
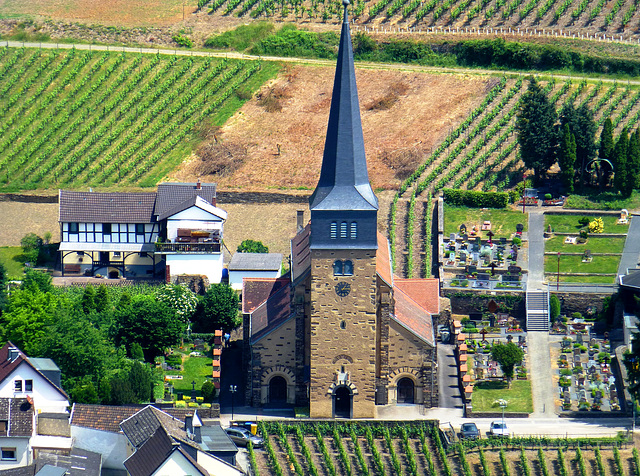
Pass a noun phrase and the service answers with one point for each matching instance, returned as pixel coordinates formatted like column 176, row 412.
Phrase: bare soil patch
column 18, row 218
column 405, row 115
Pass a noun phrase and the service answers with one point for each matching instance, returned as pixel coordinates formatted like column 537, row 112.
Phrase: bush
column 470, row 198
column 596, row 226
column 517, row 241
column 182, row 40
column 584, row 234
column 547, row 196
column 584, row 221
column 208, row 391
column 554, row 307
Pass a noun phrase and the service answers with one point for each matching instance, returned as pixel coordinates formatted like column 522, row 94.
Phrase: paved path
column 631, row 250
column 448, row 379
column 542, row 388
column 536, row 249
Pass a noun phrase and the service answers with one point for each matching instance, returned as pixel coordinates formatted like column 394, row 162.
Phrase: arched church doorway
column 406, row 390
column 277, row 390
column 342, row 402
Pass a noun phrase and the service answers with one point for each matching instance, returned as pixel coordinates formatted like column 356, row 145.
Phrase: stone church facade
column 340, row 333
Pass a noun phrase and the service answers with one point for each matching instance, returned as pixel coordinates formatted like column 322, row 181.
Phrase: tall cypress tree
column 585, row 130
column 633, row 162
column 605, row 152
column 538, row 135
column 620, row 156
column 567, row 157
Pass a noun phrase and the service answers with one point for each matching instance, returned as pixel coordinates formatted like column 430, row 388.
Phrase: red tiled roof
column 383, row 260
column 256, row 291
column 108, row 418
column 412, row 316
column 426, row 292
column 271, row 313
column 300, row 254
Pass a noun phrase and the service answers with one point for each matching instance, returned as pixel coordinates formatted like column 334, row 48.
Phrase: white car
column 498, row 428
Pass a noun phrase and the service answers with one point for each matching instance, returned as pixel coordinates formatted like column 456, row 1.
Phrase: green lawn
column 569, row 223
column 10, row 257
column 552, row 279
column 574, row 264
column 596, row 245
column 518, row 396
column 603, row 201
column 503, row 221
column 196, row 369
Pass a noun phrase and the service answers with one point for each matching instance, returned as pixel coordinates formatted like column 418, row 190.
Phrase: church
column 340, row 333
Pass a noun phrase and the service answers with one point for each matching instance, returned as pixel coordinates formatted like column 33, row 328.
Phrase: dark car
column 242, row 436
column 470, row 431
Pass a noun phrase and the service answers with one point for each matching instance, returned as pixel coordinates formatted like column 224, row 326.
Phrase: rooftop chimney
column 188, row 424
column 198, row 185
column 300, row 220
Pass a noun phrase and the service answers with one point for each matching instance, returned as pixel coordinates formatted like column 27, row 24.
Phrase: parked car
column 469, row 431
column 498, row 428
column 242, row 436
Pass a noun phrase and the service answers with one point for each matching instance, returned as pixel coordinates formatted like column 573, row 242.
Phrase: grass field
column 574, row 264
column 551, row 278
column 503, row 221
column 10, row 258
column 569, row 223
column 518, row 396
column 194, row 369
column 595, row 244
column 78, row 119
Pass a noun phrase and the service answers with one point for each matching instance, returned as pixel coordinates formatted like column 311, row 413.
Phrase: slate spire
column 344, row 181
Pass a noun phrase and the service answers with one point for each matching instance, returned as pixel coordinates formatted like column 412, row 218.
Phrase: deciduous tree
column 218, row 310
column 507, row 355
column 252, row 246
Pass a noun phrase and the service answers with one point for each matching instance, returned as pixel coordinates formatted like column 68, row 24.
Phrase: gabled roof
column 256, row 262
column 140, row 426
column 108, row 418
column 256, row 291
column 300, row 253
column 425, row 292
column 94, row 207
column 344, row 180
column 10, row 362
column 170, row 195
column 271, row 314
column 195, row 201
column 631, row 280
column 19, row 414
column 383, row 260
column 412, row 316
column 158, row 447
column 78, row 463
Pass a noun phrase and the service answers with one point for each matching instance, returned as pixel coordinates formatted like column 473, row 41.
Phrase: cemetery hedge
column 470, row 198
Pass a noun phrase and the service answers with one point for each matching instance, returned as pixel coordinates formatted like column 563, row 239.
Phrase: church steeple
column 343, row 191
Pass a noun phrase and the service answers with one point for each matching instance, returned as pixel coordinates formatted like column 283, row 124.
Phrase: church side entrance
column 278, row 390
column 342, row 402
column 406, row 391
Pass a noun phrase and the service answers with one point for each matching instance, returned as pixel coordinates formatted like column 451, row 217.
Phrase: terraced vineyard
column 481, row 153
column 580, row 17
column 416, row 449
column 77, row 118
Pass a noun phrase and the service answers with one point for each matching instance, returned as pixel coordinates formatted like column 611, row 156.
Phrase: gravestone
column 503, row 241
column 514, row 269
column 463, row 228
column 519, row 227
column 579, row 339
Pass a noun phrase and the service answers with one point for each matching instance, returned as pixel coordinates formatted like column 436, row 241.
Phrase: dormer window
column 354, row 230
column 334, row 230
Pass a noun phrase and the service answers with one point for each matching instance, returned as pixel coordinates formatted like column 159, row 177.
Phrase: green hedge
column 470, row 198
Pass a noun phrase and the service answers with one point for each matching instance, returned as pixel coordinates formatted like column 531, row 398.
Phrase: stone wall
column 468, row 302
column 580, row 302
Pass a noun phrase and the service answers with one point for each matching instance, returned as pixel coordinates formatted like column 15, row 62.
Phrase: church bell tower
column 343, row 244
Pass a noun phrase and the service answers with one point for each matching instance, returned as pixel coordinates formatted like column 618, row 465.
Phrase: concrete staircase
column 537, row 310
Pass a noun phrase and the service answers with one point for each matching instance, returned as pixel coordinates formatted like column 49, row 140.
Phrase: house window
column 354, row 230
column 117, row 254
column 343, row 229
column 73, row 228
column 17, row 385
column 9, row 454
column 28, row 385
column 139, row 228
column 106, row 228
column 337, row 268
column 334, row 230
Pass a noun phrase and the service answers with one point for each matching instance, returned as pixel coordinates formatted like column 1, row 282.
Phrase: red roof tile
column 383, row 260
column 256, row 291
column 413, row 317
column 426, row 292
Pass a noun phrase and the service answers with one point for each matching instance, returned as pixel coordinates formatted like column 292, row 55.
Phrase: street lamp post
column 558, row 279
column 503, row 405
column 232, row 389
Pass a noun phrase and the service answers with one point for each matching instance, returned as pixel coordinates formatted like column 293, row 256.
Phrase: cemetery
column 583, row 374
column 475, row 257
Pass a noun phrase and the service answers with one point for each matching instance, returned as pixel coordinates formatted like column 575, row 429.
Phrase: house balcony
column 170, row 248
